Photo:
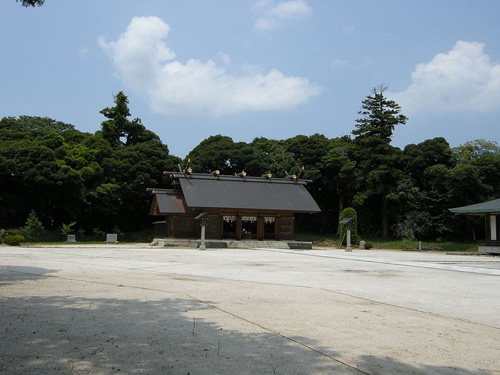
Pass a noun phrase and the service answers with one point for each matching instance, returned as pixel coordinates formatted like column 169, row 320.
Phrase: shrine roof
column 490, row 207
column 215, row 191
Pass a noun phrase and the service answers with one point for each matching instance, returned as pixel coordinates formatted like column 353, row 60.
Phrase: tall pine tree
column 377, row 160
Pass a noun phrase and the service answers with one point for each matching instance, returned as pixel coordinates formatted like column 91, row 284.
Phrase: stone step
column 232, row 244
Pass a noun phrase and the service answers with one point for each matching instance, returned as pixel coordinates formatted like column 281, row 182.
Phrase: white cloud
column 83, row 53
column 462, row 79
column 272, row 14
column 147, row 66
column 225, row 58
column 340, row 63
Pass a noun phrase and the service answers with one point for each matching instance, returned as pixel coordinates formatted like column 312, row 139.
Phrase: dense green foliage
column 31, row 3
column 401, row 193
column 34, row 227
column 13, row 240
column 99, row 180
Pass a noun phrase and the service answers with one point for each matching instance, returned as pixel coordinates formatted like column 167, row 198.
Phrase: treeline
column 99, row 180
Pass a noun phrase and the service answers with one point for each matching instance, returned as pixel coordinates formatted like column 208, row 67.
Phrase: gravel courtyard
column 142, row 310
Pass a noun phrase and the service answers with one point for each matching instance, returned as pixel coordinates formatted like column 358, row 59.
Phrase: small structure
column 71, row 238
column 203, row 218
column 111, row 238
column 490, row 210
column 348, row 222
column 236, row 207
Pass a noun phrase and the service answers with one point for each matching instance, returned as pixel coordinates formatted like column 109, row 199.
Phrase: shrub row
column 13, row 240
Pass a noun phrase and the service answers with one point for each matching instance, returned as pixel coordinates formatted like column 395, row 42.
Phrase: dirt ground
column 141, row 310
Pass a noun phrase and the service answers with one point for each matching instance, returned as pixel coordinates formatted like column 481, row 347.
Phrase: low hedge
column 13, row 240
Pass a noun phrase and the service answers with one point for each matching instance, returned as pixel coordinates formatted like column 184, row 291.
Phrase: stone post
column 348, row 247
column 202, row 242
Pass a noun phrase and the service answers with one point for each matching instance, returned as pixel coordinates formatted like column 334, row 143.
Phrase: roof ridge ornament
column 296, row 177
column 188, row 170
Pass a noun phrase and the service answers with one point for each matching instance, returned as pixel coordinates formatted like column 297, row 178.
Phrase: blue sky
column 255, row 68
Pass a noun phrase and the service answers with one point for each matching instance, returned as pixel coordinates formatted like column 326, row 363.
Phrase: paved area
column 142, row 310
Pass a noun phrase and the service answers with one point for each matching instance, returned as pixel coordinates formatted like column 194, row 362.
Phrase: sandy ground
column 140, row 310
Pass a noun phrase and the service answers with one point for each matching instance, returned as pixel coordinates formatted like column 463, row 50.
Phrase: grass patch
column 334, row 241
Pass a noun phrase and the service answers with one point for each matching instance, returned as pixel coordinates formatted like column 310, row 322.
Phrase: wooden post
column 260, row 228
column 239, row 227
column 493, row 227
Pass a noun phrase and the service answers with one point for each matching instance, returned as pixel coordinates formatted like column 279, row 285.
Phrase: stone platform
column 232, row 244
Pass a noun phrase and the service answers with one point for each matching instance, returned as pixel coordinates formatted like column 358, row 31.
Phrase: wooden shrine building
column 237, row 207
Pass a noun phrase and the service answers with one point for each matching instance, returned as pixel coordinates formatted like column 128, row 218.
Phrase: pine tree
column 377, row 160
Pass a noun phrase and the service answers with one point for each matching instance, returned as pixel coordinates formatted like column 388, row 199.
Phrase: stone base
column 232, row 244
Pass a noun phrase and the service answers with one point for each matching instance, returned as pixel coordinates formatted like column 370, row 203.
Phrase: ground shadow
column 380, row 365
column 14, row 274
column 61, row 335
column 66, row 335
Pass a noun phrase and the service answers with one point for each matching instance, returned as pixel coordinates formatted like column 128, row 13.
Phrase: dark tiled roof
column 170, row 201
column 490, row 207
column 202, row 191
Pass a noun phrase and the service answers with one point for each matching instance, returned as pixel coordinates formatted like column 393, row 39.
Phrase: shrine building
column 235, row 207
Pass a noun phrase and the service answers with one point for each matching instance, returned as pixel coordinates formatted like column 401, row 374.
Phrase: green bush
column 368, row 245
column 34, row 227
column 13, row 240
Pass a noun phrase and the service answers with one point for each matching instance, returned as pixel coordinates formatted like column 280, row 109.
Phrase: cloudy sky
column 255, row 68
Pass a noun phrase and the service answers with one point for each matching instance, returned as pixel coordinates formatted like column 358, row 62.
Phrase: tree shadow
column 64, row 335
column 14, row 274
column 74, row 335
column 380, row 365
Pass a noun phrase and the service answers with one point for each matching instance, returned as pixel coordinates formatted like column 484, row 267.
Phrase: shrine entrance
column 229, row 227
column 249, row 227
column 269, row 228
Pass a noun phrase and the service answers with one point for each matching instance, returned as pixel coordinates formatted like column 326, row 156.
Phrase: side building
column 237, row 207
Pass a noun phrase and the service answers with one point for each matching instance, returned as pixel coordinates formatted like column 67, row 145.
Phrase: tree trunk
column 341, row 207
column 383, row 217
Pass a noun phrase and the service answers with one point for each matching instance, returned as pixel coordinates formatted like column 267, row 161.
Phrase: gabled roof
column 490, row 207
column 168, row 201
column 203, row 191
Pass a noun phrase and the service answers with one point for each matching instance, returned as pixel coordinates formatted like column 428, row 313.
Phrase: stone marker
column 71, row 238
column 111, row 238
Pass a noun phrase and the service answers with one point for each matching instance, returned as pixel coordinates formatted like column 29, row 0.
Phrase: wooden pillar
column 239, row 227
column 277, row 228
column 493, row 228
column 487, row 226
column 260, row 228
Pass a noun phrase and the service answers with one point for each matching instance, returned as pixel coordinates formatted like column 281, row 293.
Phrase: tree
column 31, row 3
column 485, row 155
column 34, row 227
column 379, row 118
column 338, row 176
column 135, row 161
column 377, row 169
column 217, row 152
column 118, row 126
column 36, row 171
column 418, row 157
